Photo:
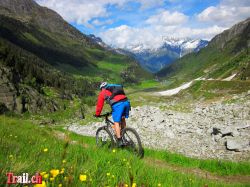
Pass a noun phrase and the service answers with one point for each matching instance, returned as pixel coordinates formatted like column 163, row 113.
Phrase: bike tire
column 139, row 151
column 100, row 142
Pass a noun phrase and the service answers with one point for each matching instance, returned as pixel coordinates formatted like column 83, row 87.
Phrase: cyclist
column 114, row 95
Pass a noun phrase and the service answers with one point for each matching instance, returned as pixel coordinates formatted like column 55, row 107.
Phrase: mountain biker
column 114, row 95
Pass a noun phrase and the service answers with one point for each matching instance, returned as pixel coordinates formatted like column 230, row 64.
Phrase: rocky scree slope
column 216, row 130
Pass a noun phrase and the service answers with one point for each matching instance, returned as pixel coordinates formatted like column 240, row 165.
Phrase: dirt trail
column 243, row 179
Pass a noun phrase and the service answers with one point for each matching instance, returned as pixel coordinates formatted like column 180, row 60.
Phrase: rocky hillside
column 30, row 12
column 226, row 54
column 41, row 51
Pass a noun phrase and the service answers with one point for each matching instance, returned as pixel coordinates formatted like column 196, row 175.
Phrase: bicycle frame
column 109, row 124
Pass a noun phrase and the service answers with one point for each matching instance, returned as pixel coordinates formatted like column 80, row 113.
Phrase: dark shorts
column 119, row 110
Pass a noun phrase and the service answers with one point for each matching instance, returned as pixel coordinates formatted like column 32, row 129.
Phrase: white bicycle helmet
column 103, row 84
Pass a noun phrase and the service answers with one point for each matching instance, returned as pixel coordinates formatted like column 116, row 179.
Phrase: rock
column 237, row 144
column 3, row 108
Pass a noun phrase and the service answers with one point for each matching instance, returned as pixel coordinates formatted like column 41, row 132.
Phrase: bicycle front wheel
column 132, row 141
column 104, row 138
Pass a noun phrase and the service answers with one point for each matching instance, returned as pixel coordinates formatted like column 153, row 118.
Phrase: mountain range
column 227, row 54
column 154, row 59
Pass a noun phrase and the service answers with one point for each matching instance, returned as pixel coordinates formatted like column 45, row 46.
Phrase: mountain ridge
column 153, row 59
column 225, row 55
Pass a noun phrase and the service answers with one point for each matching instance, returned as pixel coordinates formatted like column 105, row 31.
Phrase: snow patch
column 176, row 90
column 187, row 85
column 229, row 78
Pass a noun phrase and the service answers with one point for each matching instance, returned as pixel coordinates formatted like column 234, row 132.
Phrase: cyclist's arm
column 100, row 103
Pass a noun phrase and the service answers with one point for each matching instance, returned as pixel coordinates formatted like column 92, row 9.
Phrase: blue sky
column 126, row 23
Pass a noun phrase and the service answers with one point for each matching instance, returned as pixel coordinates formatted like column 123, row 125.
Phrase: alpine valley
column 154, row 59
column 190, row 98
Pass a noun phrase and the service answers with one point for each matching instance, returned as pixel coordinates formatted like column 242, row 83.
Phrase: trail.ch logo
column 23, row 179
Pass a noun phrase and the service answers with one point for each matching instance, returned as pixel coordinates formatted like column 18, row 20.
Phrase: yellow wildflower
column 54, row 172
column 40, row 185
column 45, row 176
column 113, row 150
column 60, row 185
column 125, row 185
column 113, row 176
column 65, row 178
column 51, row 178
column 108, row 174
column 45, row 150
column 43, row 173
column 134, row 184
column 62, row 170
column 64, row 161
column 159, row 184
column 83, row 177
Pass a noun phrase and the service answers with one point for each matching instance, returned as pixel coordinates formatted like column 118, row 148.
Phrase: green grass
column 218, row 167
column 31, row 38
column 22, row 150
column 50, row 92
column 215, row 89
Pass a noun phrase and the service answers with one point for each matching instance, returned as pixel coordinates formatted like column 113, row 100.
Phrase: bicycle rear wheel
column 104, row 138
column 132, row 141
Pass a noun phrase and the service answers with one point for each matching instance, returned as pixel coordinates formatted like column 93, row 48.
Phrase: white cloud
column 238, row 3
column 150, row 3
column 97, row 22
column 152, row 37
column 78, row 11
column 83, row 11
column 227, row 13
column 125, row 36
column 167, row 18
column 155, row 29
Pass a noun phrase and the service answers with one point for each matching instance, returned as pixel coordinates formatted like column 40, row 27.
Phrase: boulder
column 237, row 144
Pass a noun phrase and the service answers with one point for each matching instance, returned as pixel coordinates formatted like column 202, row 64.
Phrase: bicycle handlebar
column 104, row 115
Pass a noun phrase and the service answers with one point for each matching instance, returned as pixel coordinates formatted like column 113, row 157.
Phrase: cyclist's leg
column 123, row 122
column 117, row 129
column 117, row 111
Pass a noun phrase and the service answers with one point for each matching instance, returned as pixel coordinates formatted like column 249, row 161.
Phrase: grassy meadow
column 67, row 159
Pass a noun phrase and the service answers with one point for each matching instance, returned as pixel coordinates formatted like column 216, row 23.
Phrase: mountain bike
column 105, row 137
